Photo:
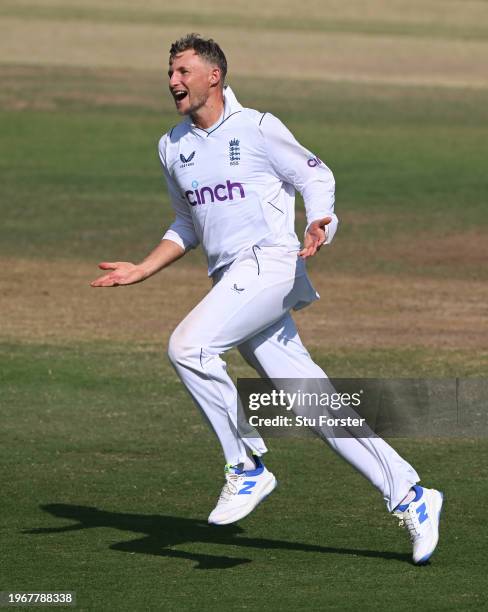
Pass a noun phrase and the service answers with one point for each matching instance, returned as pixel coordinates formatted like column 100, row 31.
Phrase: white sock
column 410, row 496
column 249, row 464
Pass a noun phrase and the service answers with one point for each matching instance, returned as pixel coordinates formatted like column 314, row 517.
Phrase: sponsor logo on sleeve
column 314, row 161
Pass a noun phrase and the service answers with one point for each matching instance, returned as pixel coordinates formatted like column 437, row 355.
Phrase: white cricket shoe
column 242, row 492
column 421, row 518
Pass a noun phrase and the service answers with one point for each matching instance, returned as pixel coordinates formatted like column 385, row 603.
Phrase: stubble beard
column 196, row 106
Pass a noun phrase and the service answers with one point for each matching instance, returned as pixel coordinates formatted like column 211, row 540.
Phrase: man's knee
column 179, row 349
column 185, row 348
column 189, row 350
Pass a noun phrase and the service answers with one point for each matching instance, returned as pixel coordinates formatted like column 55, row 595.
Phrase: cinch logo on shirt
column 220, row 193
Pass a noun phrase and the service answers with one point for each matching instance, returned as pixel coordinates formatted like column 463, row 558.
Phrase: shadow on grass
column 164, row 532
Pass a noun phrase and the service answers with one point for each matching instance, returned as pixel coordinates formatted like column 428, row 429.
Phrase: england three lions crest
column 234, row 152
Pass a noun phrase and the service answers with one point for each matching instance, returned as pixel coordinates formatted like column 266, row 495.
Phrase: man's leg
column 278, row 352
column 252, row 294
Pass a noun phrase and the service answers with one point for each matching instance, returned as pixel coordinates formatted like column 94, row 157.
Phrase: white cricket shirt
column 233, row 186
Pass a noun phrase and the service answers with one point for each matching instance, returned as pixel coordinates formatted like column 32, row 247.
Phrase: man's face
column 190, row 81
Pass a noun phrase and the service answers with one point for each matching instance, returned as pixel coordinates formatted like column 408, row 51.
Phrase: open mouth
column 179, row 95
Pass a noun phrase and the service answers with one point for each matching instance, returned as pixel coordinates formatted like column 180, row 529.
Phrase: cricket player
column 232, row 173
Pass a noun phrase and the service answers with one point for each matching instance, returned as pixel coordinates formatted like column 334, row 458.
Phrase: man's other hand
column 122, row 273
column 315, row 237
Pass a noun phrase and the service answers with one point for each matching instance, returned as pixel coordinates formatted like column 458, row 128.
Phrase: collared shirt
column 233, row 185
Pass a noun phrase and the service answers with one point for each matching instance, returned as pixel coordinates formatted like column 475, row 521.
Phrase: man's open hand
column 315, row 237
column 122, row 273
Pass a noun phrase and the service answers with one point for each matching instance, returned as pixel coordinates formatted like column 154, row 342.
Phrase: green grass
column 82, row 181
column 109, row 470
column 111, row 474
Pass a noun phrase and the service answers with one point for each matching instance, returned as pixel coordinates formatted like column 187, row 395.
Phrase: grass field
column 108, row 471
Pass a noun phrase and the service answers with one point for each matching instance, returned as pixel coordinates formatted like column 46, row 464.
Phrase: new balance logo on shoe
column 422, row 512
column 246, row 489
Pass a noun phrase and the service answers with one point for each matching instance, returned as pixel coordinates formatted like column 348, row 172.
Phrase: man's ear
column 215, row 77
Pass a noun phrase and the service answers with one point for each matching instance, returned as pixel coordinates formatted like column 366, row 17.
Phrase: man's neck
column 209, row 114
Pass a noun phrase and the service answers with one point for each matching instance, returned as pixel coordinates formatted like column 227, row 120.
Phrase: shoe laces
column 231, row 486
column 410, row 521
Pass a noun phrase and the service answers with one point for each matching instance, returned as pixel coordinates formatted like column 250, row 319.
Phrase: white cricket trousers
column 248, row 307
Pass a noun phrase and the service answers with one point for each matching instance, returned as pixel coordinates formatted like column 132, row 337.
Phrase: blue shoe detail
column 246, row 489
column 237, row 470
column 259, row 467
column 402, row 508
column 418, row 494
column 422, row 512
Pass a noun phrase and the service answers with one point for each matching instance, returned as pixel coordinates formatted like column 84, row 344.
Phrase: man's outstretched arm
column 127, row 273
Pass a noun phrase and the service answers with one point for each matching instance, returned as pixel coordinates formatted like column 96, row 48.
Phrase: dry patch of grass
column 460, row 256
column 416, row 12
column 469, row 249
column 384, row 311
column 334, row 56
column 51, row 301
column 51, row 88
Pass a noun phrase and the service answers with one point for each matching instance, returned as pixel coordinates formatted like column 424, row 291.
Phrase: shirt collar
column 231, row 105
